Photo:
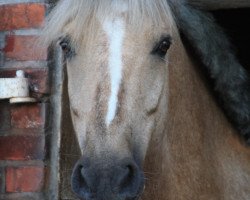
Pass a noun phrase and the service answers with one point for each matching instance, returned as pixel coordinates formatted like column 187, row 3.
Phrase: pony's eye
column 66, row 47
column 161, row 48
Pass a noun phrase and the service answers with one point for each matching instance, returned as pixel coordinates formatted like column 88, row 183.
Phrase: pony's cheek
column 153, row 95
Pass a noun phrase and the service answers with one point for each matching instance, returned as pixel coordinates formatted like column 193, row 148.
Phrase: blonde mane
column 79, row 15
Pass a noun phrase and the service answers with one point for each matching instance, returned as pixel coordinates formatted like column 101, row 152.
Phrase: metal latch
column 16, row 89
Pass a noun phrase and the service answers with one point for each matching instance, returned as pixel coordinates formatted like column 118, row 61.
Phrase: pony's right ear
column 231, row 82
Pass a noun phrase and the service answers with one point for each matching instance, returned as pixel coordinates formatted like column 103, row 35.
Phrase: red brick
column 20, row 16
column 21, row 148
column 24, row 179
column 26, row 116
column 39, row 79
column 24, row 48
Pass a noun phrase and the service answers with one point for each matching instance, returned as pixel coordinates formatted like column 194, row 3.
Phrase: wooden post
column 219, row 4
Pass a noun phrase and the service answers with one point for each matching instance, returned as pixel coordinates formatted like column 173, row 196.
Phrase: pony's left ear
column 231, row 82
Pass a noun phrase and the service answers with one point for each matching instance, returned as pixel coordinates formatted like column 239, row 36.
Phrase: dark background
column 236, row 24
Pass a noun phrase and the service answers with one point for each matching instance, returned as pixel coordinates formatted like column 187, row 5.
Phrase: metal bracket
column 16, row 89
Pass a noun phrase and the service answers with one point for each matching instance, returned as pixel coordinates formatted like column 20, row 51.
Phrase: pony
column 146, row 122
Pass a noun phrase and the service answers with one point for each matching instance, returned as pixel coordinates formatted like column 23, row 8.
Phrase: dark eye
column 66, row 47
column 162, row 47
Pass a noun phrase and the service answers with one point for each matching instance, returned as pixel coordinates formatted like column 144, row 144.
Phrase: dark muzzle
column 113, row 181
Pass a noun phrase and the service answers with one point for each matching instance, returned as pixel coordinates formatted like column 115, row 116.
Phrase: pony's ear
column 230, row 80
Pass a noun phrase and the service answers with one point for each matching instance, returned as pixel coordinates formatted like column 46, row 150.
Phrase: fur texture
column 79, row 14
column 230, row 80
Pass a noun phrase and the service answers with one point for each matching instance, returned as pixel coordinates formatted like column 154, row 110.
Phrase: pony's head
column 117, row 54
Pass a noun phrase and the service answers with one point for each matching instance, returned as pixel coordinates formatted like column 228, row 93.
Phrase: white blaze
column 115, row 32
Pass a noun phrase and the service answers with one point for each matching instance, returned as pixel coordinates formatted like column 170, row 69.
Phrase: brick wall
column 23, row 126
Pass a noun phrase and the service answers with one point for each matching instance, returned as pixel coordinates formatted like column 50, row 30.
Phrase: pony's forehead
column 81, row 15
column 120, row 7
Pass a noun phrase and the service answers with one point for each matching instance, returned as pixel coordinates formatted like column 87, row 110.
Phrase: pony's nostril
column 81, row 182
column 82, row 178
column 127, row 177
column 129, row 181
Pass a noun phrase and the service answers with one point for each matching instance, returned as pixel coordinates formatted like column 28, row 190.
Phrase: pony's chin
column 90, row 197
column 85, row 196
column 117, row 198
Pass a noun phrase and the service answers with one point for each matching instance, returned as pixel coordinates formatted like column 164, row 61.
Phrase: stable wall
column 23, row 152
